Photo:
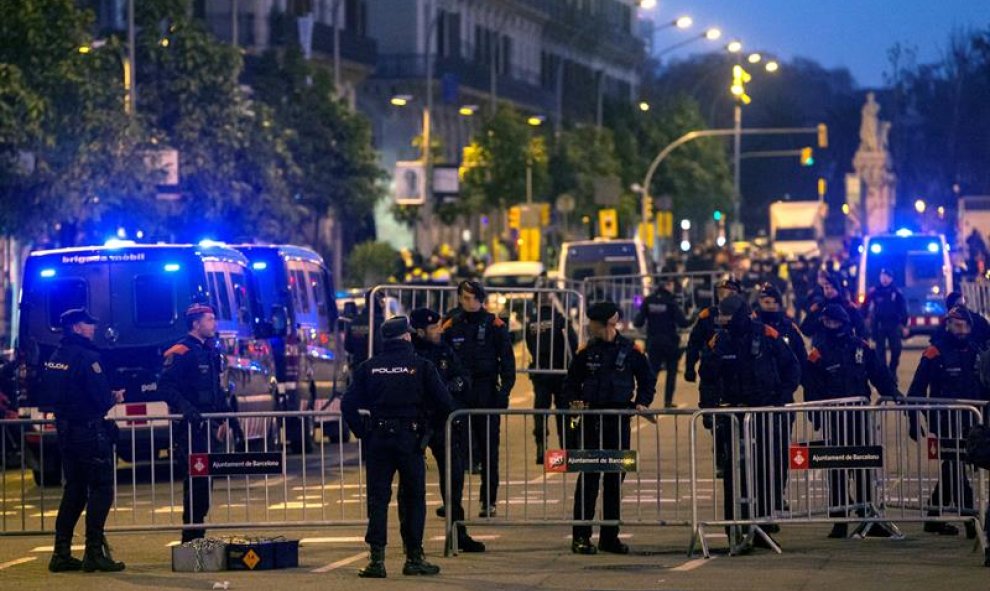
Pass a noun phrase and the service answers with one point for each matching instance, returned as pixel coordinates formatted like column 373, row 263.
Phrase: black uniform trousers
column 770, row 439
column 664, row 357
column 953, row 492
column 192, row 439
column 88, row 466
column 888, row 336
column 389, row 450
column 600, row 432
column 548, row 392
column 486, row 434
column 844, row 429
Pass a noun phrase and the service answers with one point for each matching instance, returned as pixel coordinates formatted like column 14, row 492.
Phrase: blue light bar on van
column 207, row 243
column 259, row 265
column 875, row 248
column 117, row 243
column 904, row 232
column 933, row 247
column 171, row 267
column 48, row 272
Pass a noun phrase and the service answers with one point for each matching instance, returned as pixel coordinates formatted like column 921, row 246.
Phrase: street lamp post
column 711, row 34
column 130, row 104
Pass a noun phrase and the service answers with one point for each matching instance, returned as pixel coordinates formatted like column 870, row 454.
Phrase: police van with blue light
column 922, row 270
column 138, row 294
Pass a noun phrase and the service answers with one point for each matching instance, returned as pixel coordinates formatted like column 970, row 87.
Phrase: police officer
column 662, row 316
column 482, row 341
column 772, row 313
column 357, row 334
column 552, row 342
column 831, row 292
column 980, row 334
column 77, row 384
column 428, row 344
column 748, row 364
column 190, row 384
column 886, row 308
column 610, row 373
column 843, row 365
column 948, row 370
column 704, row 327
column 401, row 391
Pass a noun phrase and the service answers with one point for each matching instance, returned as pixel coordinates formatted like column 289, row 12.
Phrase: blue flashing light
column 875, row 248
column 46, row 273
column 208, row 243
column 860, row 249
column 933, row 247
column 903, row 232
column 117, row 243
column 259, row 265
column 171, row 267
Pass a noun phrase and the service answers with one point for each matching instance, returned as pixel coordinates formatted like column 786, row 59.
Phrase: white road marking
column 479, row 538
column 52, row 548
column 336, row 540
column 18, row 561
column 340, row 563
column 690, row 565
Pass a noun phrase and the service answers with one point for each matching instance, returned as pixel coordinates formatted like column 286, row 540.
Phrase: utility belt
column 394, row 426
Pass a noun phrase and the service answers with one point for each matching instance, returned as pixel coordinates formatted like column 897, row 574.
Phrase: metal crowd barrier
column 524, row 309
column 820, row 464
column 694, row 290
column 252, row 483
column 657, row 486
column 977, row 295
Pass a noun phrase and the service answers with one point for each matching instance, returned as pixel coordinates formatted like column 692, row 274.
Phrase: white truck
column 797, row 227
column 974, row 215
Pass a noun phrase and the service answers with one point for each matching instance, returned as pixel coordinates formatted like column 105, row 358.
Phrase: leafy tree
column 370, row 263
column 580, row 157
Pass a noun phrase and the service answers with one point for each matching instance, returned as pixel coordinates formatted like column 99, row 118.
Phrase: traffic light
column 739, row 79
column 807, row 157
column 822, row 135
column 515, row 217
column 717, row 216
column 647, row 208
column 608, row 223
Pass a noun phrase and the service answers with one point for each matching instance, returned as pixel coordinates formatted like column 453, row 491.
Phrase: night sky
column 852, row 33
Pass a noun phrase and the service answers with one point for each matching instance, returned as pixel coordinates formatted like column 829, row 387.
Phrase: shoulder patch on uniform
column 176, row 349
column 447, row 324
column 704, row 313
column 770, row 331
column 931, row 352
column 637, row 348
column 815, row 307
column 498, row 322
column 96, row 367
column 814, row 356
column 711, row 341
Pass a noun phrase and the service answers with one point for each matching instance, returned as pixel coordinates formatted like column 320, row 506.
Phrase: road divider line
column 336, row 540
column 690, row 565
column 340, row 563
column 52, row 548
column 18, row 561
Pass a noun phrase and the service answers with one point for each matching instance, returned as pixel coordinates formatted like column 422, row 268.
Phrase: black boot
column 466, row 543
column 376, row 567
column 98, row 557
column 62, row 560
column 839, row 530
column 416, row 564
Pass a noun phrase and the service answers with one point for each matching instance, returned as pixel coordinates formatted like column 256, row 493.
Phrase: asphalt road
column 521, row 556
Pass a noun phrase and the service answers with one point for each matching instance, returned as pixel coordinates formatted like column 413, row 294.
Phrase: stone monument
column 873, row 166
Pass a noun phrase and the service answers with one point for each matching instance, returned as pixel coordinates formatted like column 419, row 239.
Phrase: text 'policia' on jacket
column 74, row 368
column 138, row 294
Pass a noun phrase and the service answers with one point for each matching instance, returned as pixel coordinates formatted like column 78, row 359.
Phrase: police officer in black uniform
column 610, row 373
column 357, row 334
column 190, row 384
column 401, row 391
column 482, row 341
column 429, row 345
column 552, row 342
column 772, row 313
column 886, row 308
column 980, row 334
column 748, row 364
column 831, row 291
column 662, row 316
column 704, row 327
column 77, row 384
column 948, row 370
column 843, row 365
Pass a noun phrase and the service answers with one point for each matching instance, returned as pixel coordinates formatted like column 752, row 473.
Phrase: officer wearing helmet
column 704, row 327
column 949, row 370
column 482, row 342
column 401, row 391
column 748, row 364
column 832, row 291
column 843, row 365
column 75, row 380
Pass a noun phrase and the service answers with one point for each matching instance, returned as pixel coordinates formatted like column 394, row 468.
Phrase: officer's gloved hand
column 707, row 421
column 192, row 416
column 690, row 375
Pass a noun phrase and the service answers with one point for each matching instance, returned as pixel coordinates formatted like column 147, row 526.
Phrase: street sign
column 814, row 457
column 590, row 460
column 446, row 183
column 236, row 464
column 529, row 244
column 565, row 203
column 410, row 183
column 608, row 223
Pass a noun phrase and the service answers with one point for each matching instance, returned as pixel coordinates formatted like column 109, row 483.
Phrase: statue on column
column 873, row 165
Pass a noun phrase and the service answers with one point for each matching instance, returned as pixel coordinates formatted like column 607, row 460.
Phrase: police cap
column 603, row 311
column 952, row 300
column 395, row 327
column 472, row 287
column 767, row 290
column 729, row 283
column 199, row 308
column 423, row 317
column 960, row 313
column 75, row 316
column 836, row 312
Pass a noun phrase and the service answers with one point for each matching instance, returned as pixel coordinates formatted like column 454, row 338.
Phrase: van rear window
column 154, row 300
column 65, row 294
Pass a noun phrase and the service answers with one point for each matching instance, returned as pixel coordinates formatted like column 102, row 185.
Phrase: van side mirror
column 280, row 321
